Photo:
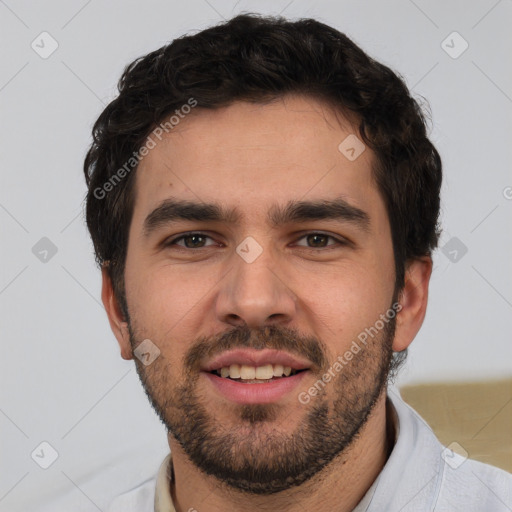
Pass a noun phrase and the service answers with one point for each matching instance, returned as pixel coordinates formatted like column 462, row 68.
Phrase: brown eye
column 193, row 241
column 190, row 241
column 318, row 241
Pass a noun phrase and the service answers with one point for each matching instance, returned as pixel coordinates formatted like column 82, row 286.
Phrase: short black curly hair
column 258, row 58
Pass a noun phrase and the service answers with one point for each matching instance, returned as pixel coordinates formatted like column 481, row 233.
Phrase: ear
column 413, row 302
column 115, row 317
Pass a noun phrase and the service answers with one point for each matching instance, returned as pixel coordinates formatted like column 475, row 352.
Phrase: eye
column 319, row 241
column 190, row 241
column 198, row 240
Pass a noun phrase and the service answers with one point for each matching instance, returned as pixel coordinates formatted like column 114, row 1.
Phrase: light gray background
column 62, row 379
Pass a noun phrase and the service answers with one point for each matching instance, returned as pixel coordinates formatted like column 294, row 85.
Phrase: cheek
column 166, row 301
column 341, row 303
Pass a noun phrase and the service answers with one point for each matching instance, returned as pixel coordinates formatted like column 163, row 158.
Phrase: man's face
column 278, row 277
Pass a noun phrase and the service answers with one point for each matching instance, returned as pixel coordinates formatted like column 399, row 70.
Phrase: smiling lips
column 273, row 373
column 259, row 365
column 263, row 373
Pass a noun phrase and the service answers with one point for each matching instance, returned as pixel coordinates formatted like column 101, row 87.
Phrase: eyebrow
column 174, row 210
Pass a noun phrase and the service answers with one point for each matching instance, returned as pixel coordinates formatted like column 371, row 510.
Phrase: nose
column 255, row 294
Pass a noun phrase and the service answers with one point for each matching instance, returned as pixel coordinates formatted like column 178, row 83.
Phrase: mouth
column 254, row 391
column 246, row 374
column 272, row 375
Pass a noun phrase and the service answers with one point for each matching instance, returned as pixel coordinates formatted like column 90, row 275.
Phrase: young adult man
column 263, row 200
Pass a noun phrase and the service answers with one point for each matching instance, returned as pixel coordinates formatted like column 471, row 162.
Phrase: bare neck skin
column 339, row 487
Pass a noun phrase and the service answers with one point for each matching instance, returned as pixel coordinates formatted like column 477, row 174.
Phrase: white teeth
column 265, row 372
column 247, row 372
column 234, row 371
column 278, row 370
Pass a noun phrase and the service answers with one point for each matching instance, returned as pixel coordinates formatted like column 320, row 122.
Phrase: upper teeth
column 237, row 371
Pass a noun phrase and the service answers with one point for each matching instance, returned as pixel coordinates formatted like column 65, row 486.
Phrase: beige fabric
column 476, row 415
column 163, row 499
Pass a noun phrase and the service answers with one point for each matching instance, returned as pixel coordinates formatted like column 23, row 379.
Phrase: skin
column 251, row 157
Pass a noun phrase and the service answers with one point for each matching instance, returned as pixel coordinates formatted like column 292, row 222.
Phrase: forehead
column 253, row 156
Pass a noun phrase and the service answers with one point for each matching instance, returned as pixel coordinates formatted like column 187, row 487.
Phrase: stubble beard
column 256, row 456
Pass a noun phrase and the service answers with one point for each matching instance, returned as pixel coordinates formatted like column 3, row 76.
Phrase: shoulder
column 429, row 476
column 139, row 499
column 473, row 486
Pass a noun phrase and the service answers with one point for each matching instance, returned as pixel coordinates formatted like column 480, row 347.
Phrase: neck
column 338, row 487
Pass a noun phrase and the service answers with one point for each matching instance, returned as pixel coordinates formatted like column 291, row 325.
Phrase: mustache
column 267, row 337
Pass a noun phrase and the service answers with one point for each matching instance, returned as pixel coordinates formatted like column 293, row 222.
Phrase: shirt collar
column 164, row 479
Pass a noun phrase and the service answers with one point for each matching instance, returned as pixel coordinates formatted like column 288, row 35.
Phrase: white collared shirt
column 419, row 476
